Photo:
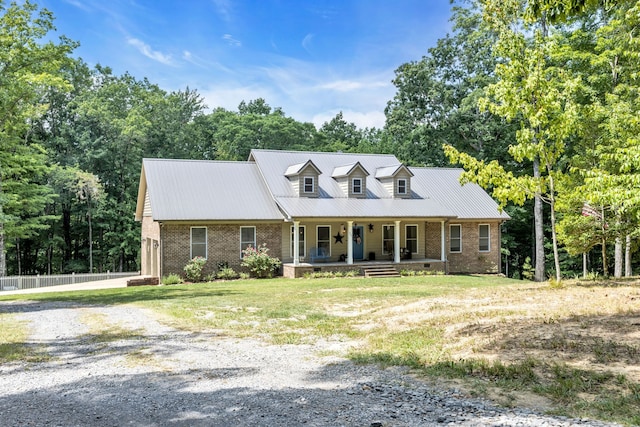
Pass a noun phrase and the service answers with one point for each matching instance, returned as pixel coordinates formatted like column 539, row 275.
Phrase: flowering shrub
column 193, row 269
column 258, row 261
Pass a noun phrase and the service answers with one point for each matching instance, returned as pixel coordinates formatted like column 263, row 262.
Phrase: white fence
column 12, row 283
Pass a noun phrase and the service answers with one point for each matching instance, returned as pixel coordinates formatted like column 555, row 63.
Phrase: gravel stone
column 160, row 376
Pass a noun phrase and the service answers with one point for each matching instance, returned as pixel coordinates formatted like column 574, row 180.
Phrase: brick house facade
column 315, row 211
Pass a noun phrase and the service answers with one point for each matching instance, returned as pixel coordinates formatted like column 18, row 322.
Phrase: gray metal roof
column 273, row 165
column 307, row 207
column 469, row 201
column 199, row 190
column 342, row 171
column 207, row 190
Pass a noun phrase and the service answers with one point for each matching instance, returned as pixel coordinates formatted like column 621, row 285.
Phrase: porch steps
column 381, row 271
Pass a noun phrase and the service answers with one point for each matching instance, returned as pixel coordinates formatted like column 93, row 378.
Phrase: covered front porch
column 347, row 245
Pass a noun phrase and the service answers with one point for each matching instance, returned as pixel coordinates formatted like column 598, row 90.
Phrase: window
column 402, row 186
column 309, row 186
column 455, row 238
column 324, row 238
column 356, row 186
column 484, row 238
column 411, row 238
column 247, row 238
column 387, row 238
column 198, row 242
column 301, row 245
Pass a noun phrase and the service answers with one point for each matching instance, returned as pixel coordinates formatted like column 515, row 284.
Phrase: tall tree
column 533, row 90
column 28, row 66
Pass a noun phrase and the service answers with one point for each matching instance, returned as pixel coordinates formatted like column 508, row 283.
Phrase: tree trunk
column 605, row 264
column 584, row 265
column 90, row 235
column 18, row 257
column 628, row 272
column 554, row 238
column 538, row 226
column 617, row 267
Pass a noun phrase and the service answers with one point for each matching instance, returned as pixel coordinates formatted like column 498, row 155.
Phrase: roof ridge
column 198, row 160
column 322, row 152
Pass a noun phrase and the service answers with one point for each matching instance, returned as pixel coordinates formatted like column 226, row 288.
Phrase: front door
column 358, row 242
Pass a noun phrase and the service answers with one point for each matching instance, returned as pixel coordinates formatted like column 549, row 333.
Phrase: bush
column 172, row 279
column 258, row 261
column 227, row 274
column 193, row 269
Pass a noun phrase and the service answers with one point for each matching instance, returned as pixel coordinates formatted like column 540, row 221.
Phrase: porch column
column 396, row 243
column 443, row 243
column 296, row 242
column 349, row 242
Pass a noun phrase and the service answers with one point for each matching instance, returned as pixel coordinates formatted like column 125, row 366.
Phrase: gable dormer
column 396, row 180
column 352, row 179
column 304, row 178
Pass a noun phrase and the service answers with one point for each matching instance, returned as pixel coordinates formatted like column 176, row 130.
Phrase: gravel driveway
column 149, row 374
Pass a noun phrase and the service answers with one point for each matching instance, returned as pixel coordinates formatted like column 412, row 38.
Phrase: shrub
column 227, row 273
column 172, row 279
column 193, row 269
column 258, row 261
column 244, row 276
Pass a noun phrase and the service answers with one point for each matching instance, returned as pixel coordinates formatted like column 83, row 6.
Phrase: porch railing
column 12, row 283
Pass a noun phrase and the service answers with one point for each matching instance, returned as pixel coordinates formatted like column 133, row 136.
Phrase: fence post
column 108, row 272
column 38, row 280
column 19, row 282
column 73, row 277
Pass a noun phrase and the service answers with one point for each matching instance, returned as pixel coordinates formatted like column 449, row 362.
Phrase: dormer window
column 309, row 184
column 402, row 186
column 356, row 185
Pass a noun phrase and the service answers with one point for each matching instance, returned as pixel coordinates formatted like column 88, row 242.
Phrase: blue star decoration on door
column 338, row 238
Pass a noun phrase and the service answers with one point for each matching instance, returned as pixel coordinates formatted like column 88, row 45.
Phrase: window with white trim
column 247, row 238
column 402, row 186
column 388, row 238
column 323, row 238
column 309, row 184
column 302, row 232
column 411, row 238
column 455, row 238
column 356, row 185
column 198, row 242
column 484, row 238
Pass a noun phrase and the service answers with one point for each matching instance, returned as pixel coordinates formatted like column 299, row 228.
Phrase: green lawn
column 504, row 339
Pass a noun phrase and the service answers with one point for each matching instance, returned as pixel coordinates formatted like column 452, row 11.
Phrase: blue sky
column 312, row 58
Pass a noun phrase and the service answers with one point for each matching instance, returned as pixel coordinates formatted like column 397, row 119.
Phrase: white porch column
column 349, row 242
column 396, row 242
column 443, row 243
column 296, row 242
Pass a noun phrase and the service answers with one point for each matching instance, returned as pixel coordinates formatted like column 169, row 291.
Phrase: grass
column 13, row 342
column 575, row 346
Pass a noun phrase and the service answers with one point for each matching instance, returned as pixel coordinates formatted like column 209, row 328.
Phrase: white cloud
column 146, row 50
column 306, row 42
column 231, row 41
column 224, row 9
column 351, row 85
column 362, row 119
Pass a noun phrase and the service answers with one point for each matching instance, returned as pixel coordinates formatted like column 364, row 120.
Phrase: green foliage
column 227, row 273
column 172, row 279
column 259, row 262
column 193, row 269
column 527, row 269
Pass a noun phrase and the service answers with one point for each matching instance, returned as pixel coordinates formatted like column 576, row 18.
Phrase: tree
column 28, row 66
column 538, row 93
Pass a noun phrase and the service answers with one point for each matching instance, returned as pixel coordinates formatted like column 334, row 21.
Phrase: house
column 315, row 211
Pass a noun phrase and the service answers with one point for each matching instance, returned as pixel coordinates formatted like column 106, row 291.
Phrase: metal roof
column 468, row 201
column 314, row 207
column 342, row 171
column 200, row 190
column 207, row 190
column 273, row 165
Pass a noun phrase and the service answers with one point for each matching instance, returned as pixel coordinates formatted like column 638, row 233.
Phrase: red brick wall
column 223, row 245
